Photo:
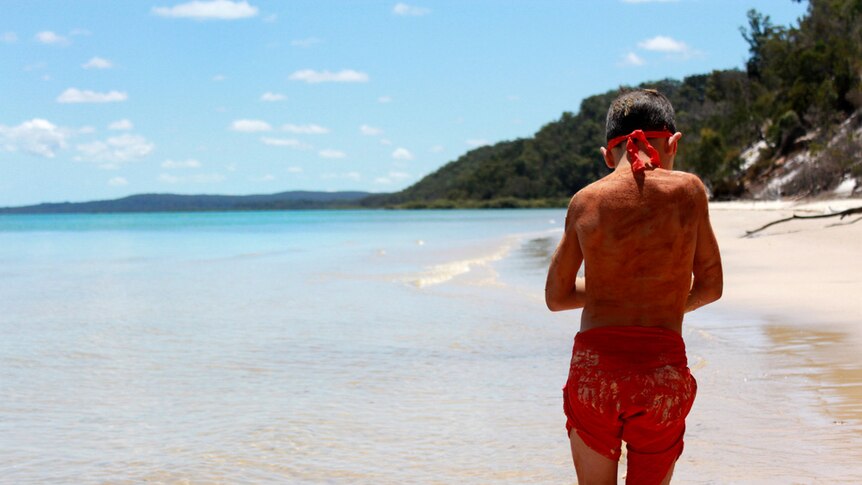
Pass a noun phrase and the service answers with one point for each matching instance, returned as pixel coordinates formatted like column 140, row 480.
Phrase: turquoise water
column 299, row 347
column 347, row 347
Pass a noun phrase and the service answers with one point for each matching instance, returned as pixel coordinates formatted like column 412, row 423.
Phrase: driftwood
column 840, row 215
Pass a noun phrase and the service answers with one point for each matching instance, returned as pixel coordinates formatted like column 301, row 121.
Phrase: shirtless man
column 649, row 255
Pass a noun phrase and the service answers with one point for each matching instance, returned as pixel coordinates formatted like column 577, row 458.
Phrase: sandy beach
column 789, row 407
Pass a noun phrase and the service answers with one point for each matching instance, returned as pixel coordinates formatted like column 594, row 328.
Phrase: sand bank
column 806, row 272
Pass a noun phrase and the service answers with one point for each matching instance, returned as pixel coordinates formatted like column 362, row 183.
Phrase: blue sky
column 102, row 99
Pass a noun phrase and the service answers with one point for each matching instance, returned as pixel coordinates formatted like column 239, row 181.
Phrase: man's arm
column 563, row 290
column 708, row 279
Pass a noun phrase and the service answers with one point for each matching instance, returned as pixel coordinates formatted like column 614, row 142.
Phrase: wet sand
column 785, row 407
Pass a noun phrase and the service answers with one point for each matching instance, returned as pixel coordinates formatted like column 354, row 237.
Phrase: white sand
column 799, row 272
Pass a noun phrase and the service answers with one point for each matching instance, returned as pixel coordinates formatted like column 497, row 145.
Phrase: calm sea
column 346, row 347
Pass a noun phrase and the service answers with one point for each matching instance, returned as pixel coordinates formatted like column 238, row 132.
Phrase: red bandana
column 632, row 147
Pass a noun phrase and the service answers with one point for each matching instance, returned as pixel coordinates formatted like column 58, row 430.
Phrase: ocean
column 360, row 347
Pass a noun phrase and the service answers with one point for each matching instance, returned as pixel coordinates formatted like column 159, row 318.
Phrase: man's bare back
column 641, row 237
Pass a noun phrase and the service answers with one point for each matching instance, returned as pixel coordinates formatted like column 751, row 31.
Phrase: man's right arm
column 563, row 289
column 708, row 278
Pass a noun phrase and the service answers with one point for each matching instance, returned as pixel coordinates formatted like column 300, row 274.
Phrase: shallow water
column 346, row 347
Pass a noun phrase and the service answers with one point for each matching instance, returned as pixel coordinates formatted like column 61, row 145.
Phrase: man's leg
column 592, row 467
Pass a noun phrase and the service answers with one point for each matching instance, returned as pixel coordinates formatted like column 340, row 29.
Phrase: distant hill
column 790, row 124
column 197, row 203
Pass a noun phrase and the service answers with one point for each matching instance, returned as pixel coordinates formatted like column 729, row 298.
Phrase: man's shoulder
column 684, row 181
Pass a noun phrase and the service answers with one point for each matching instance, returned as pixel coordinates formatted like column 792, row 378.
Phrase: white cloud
column 9, row 37
column 384, row 99
column 206, row 178
column 370, row 130
column 391, row 177
column 202, row 10
column 411, row 10
column 344, row 175
column 73, row 95
column 264, row 178
column 83, row 32
column 118, row 182
column 50, row 38
column 330, row 153
column 272, row 97
column 219, row 78
column 385, row 141
column 632, row 59
column 86, row 130
column 437, row 148
column 37, row 137
column 97, row 63
column 305, row 43
column 285, row 142
column 661, row 43
column 344, row 76
column 477, row 142
column 115, row 150
column 402, row 154
column 294, row 169
column 121, row 125
column 271, row 18
column 310, row 129
column 189, row 163
column 250, row 126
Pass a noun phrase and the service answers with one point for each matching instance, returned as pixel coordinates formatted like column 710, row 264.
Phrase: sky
column 103, row 99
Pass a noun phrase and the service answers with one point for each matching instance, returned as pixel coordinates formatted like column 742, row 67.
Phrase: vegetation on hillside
column 800, row 84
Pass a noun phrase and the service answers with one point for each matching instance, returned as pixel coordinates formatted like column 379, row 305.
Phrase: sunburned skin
column 647, row 246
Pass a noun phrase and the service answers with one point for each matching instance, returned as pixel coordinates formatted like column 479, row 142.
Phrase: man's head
column 641, row 109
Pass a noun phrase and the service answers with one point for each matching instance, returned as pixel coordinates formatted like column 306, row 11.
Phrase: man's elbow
column 552, row 303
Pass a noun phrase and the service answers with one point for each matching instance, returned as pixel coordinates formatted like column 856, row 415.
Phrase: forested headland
column 792, row 114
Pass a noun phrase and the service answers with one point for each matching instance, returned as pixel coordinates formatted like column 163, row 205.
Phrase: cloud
column 285, row 142
column 118, row 182
column 121, row 125
column 215, row 9
column 115, row 150
column 477, row 142
column 9, row 37
column 370, row 130
column 219, row 78
column 402, row 154
column 632, row 59
column 330, row 153
column 264, row 178
column 73, row 95
column 409, row 10
column 294, row 169
column 384, row 99
column 391, row 177
column 310, row 129
column 50, row 38
column 344, row 76
column 97, row 63
column 37, row 137
column 344, row 175
column 661, row 43
column 250, row 126
column 305, row 43
column 437, row 148
column 272, row 97
column 190, row 163
column 204, row 178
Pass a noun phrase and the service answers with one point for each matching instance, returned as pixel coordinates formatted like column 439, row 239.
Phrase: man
column 650, row 255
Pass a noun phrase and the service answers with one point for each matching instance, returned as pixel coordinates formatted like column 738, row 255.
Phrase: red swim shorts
column 633, row 384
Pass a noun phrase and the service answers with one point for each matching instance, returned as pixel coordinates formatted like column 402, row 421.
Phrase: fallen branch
column 840, row 215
